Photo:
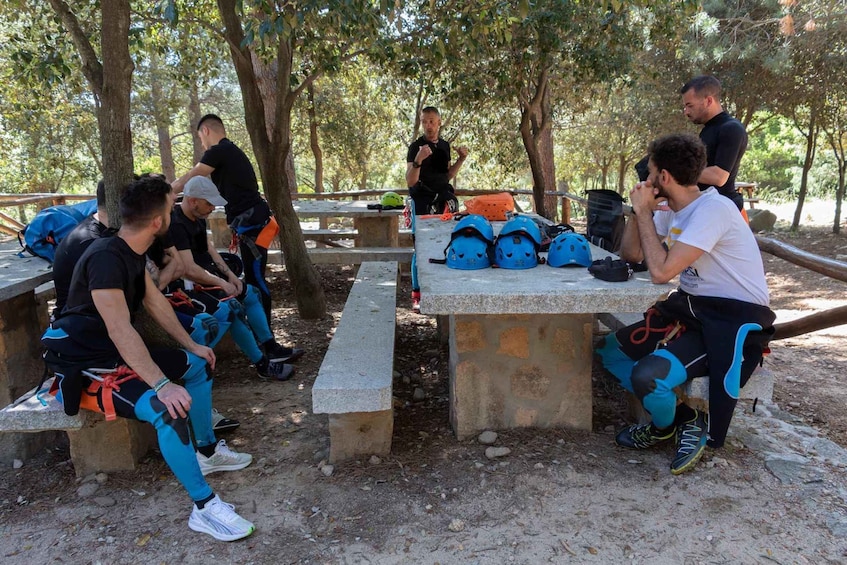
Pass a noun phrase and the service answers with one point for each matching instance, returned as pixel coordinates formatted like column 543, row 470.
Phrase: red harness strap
column 671, row 331
column 108, row 383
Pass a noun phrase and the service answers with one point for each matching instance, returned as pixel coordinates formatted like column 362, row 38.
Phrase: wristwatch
column 416, row 165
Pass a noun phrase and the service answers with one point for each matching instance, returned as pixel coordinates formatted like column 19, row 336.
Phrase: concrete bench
column 95, row 444
column 354, row 382
column 329, row 234
column 351, row 255
column 694, row 393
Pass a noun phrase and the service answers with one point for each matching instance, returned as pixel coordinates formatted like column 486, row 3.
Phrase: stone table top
column 20, row 274
column 333, row 208
column 540, row 290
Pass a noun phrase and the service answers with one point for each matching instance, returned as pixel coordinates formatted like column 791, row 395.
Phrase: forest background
column 325, row 96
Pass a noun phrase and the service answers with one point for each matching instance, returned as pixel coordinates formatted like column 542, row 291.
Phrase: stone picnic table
column 520, row 341
column 375, row 228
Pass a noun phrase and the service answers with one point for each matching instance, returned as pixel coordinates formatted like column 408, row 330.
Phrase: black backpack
column 605, row 219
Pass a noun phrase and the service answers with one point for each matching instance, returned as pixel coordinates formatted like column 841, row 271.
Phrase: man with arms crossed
column 717, row 323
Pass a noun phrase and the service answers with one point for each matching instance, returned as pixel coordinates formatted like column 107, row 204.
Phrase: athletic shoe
column 224, row 459
column 219, row 520
column 277, row 352
column 691, row 438
column 221, row 423
column 642, row 436
column 274, row 370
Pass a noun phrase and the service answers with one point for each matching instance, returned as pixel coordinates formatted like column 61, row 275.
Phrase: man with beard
column 717, row 323
column 724, row 137
column 102, row 364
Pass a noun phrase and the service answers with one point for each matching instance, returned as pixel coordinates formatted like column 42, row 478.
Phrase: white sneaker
column 221, row 423
column 219, row 520
column 224, row 459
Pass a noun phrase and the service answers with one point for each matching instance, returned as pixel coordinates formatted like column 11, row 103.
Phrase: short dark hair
column 214, row 119
column 431, row 110
column 101, row 193
column 681, row 154
column 705, row 85
column 143, row 199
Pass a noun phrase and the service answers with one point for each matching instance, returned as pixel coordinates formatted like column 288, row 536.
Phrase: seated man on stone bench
column 101, row 362
column 717, row 323
column 215, row 285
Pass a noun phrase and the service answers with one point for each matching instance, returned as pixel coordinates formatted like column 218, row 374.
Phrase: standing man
column 717, row 323
column 724, row 137
column 93, row 347
column 428, row 168
column 247, row 213
column 428, row 176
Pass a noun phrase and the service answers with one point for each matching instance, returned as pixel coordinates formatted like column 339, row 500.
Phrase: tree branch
column 91, row 66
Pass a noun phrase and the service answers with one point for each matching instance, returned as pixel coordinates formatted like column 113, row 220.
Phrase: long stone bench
column 95, row 444
column 351, row 255
column 694, row 393
column 354, row 382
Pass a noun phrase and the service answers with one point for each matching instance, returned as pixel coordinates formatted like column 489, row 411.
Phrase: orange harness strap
column 108, row 383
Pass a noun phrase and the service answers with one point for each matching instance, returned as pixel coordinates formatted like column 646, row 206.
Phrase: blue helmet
column 477, row 223
column 569, row 249
column 522, row 224
column 470, row 244
column 515, row 251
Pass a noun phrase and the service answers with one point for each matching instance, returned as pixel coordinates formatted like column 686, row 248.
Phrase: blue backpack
column 50, row 226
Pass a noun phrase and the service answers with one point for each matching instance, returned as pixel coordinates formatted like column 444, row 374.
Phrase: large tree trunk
column 537, row 137
column 162, row 118
column 272, row 146
column 811, row 143
column 193, row 119
column 314, row 143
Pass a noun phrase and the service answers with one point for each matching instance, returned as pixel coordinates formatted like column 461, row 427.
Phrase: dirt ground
column 560, row 496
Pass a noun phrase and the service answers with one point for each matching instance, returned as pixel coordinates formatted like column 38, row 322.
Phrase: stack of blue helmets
column 569, row 249
column 517, row 244
column 471, row 244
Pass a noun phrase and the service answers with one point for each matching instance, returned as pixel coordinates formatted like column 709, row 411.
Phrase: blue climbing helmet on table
column 569, row 249
column 518, row 244
column 471, row 244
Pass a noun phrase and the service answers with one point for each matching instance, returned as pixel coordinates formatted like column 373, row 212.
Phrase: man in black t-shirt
column 724, row 137
column 217, row 286
column 247, row 213
column 92, row 346
column 428, row 168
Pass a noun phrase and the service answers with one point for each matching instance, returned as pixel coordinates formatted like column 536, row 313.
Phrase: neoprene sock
column 207, row 451
column 202, row 503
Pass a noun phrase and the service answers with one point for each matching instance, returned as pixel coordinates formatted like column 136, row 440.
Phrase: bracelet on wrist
column 161, row 384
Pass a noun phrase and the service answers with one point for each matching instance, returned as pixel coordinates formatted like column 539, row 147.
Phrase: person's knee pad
column 204, row 329
column 150, row 409
column 646, row 372
column 251, row 296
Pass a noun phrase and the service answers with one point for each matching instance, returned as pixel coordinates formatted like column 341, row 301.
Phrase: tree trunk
column 194, row 118
column 272, row 146
column 162, row 119
column 113, row 115
column 314, row 143
column 537, row 137
column 811, row 142
column 621, row 173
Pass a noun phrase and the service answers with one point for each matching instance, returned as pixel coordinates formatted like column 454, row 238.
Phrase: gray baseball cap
column 203, row 187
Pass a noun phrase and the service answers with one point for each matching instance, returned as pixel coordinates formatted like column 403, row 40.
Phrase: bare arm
column 198, row 170
column 713, row 176
column 231, row 285
column 173, row 268
column 454, row 168
column 112, row 307
column 631, row 242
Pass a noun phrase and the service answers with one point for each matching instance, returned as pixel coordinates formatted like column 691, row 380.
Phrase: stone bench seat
column 695, row 393
column 350, row 255
column 329, row 234
column 354, row 382
column 95, row 444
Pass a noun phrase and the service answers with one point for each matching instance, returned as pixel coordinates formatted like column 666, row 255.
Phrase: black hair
column 681, row 154
column 704, row 85
column 431, row 110
column 143, row 199
column 213, row 118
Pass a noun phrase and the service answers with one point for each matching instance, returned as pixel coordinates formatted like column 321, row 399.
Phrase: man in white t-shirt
column 717, row 323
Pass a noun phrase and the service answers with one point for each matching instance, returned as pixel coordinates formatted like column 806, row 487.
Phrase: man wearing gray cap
column 215, row 283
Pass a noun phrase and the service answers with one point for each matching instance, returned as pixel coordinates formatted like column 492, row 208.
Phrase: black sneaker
column 691, row 437
column 221, row 423
column 277, row 352
column 274, row 370
column 642, row 436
